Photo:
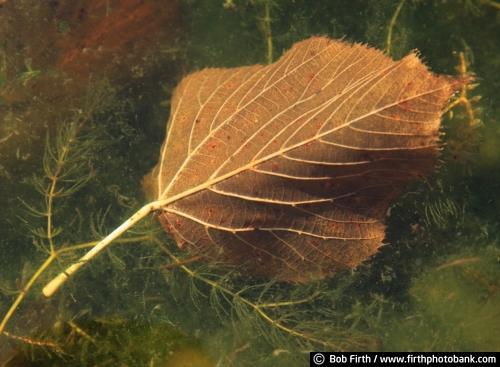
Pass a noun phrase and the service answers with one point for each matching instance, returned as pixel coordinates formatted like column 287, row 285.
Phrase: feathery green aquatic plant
column 450, row 212
column 286, row 318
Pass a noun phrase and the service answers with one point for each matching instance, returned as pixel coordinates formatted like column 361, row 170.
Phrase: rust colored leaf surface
column 289, row 169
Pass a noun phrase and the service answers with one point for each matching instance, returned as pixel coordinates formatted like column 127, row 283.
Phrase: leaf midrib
column 164, row 202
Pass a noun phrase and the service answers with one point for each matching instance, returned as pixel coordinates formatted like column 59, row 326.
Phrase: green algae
column 402, row 299
column 454, row 306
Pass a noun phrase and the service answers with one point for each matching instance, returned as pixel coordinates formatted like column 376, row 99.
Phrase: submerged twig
column 34, row 342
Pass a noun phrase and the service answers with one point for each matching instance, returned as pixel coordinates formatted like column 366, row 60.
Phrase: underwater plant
column 455, row 306
column 151, row 292
column 237, row 136
column 356, row 219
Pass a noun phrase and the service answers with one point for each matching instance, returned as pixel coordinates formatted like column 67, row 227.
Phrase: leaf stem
column 60, row 279
column 46, row 264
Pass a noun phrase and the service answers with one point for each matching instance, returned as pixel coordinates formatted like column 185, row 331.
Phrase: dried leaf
column 289, row 168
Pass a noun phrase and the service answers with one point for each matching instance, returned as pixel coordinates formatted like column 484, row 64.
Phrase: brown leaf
column 289, row 169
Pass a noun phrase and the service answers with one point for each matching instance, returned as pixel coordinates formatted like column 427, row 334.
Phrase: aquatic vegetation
column 232, row 197
column 264, row 21
column 439, row 213
column 47, row 72
column 103, row 341
column 67, row 170
column 256, row 307
column 390, row 28
column 455, row 306
column 464, row 138
column 168, row 306
column 463, row 98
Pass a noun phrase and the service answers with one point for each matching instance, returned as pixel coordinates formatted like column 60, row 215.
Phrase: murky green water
column 85, row 93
